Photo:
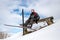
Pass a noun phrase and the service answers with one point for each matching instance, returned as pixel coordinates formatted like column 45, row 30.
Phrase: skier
column 34, row 17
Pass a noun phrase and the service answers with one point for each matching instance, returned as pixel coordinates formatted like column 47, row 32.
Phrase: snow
column 51, row 32
column 15, row 36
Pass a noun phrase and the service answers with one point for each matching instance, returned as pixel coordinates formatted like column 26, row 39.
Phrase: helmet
column 32, row 10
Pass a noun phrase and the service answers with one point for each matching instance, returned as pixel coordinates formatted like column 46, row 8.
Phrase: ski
column 21, row 26
column 26, row 27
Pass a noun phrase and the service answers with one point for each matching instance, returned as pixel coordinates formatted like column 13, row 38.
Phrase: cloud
column 46, row 7
column 6, row 17
column 43, row 7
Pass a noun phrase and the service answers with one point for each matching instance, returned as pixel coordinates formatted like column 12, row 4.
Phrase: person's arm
column 37, row 14
column 30, row 16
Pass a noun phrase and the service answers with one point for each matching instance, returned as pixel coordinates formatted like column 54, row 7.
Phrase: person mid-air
column 34, row 17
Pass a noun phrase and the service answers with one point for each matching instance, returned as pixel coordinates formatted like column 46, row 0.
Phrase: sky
column 10, row 11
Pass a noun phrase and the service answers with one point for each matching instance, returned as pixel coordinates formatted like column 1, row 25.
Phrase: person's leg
column 35, row 20
column 26, row 23
column 31, row 23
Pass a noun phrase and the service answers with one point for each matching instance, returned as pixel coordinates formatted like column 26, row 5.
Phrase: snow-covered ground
column 51, row 32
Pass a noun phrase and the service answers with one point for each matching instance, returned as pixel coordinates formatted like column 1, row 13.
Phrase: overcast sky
column 10, row 11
